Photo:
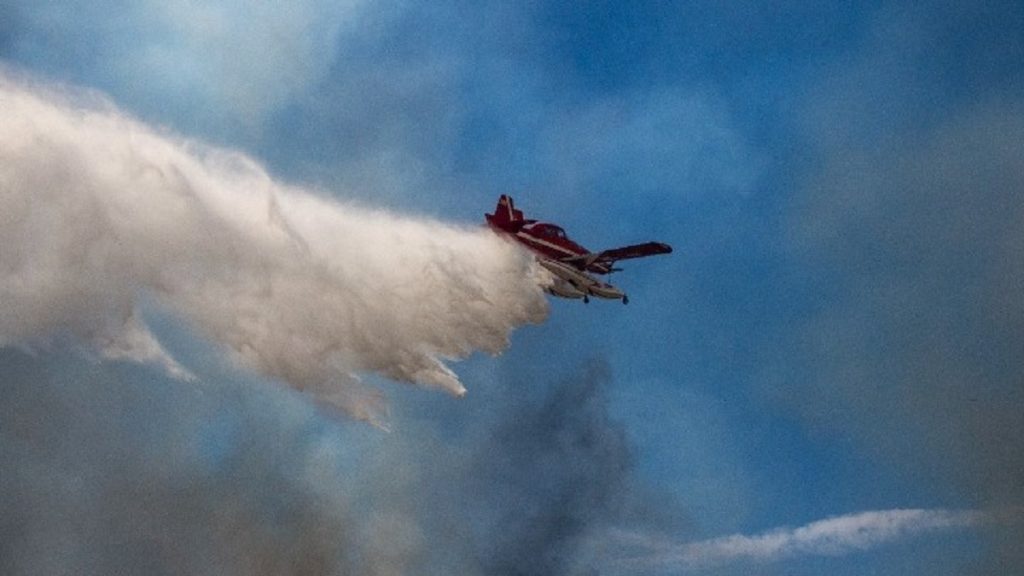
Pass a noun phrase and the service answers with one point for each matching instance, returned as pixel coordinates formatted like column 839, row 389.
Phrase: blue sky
column 838, row 331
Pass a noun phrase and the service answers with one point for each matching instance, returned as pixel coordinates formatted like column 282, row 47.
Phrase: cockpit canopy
column 548, row 230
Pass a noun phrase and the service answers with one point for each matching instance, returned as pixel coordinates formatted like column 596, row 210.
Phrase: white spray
column 97, row 209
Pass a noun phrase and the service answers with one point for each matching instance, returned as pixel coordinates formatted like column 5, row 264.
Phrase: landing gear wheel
column 625, row 299
column 586, row 299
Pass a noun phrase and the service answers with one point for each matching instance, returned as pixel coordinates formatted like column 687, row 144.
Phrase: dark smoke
column 118, row 469
column 532, row 489
column 565, row 470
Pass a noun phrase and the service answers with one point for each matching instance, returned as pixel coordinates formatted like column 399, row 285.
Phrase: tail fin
column 505, row 214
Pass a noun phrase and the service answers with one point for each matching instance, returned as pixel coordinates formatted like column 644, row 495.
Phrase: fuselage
column 560, row 255
column 548, row 241
column 570, row 264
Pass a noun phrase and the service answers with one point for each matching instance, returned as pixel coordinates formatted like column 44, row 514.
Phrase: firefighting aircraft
column 571, row 264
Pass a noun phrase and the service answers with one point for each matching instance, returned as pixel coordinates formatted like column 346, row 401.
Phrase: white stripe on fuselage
column 572, row 254
column 536, row 240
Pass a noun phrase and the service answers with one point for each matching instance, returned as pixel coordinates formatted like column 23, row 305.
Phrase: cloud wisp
column 98, row 210
column 222, row 67
column 830, row 537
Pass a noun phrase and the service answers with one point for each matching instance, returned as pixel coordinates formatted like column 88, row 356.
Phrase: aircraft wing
column 602, row 262
column 634, row 251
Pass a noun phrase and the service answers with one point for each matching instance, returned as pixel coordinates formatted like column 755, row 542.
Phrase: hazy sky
column 824, row 377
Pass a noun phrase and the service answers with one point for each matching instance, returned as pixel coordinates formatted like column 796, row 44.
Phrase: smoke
column 911, row 225
column 527, row 489
column 99, row 213
column 917, row 358
column 114, row 469
column 566, row 471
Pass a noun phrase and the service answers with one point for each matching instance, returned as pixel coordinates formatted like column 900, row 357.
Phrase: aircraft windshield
column 549, row 230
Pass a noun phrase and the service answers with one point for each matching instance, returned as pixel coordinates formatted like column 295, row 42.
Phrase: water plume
column 99, row 210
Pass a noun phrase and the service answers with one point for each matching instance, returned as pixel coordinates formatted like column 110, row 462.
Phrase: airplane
column 572, row 265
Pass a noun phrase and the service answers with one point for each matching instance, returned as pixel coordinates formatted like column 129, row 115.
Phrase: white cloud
column 245, row 58
column 829, row 537
column 226, row 65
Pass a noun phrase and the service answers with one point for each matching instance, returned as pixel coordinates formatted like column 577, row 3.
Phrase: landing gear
column 586, row 299
column 625, row 299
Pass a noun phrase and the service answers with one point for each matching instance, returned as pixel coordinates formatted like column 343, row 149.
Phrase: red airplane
column 571, row 264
